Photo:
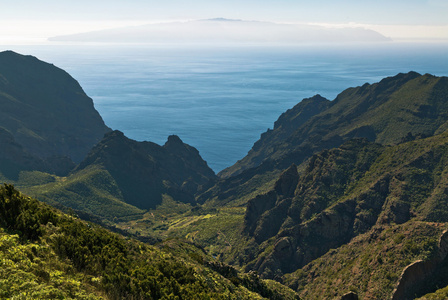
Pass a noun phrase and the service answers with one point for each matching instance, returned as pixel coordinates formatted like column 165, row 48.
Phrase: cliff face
column 45, row 109
column 345, row 192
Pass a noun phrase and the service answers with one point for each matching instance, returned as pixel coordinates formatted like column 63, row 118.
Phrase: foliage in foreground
column 48, row 255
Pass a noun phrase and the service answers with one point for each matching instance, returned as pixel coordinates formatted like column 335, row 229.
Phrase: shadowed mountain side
column 344, row 192
column 45, row 109
column 14, row 159
column 144, row 171
column 287, row 123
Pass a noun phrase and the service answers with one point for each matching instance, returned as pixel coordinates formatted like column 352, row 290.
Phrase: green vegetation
column 48, row 255
column 91, row 190
column 404, row 107
column 370, row 264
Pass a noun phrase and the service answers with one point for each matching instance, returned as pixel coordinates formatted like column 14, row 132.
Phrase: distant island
column 225, row 30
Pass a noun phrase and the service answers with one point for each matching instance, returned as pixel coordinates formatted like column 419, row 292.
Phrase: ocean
column 219, row 99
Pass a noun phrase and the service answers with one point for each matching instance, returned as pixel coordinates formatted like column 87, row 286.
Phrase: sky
column 27, row 21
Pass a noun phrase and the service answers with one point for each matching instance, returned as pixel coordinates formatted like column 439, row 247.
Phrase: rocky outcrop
column 45, row 109
column 355, row 113
column 350, row 296
column 144, row 171
column 414, row 277
column 266, row 213
column 299, row 244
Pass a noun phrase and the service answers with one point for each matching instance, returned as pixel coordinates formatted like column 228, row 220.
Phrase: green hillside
column 396, row 109
column 120, row 178
column 48, row 255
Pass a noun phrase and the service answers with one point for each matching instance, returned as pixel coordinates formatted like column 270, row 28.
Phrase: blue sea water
column 219, row 99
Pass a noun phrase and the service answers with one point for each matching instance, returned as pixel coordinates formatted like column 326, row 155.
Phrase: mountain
column 144, row 170
column 384, row 112
column 47, row 120
column 396, row 109
column 122, row 178
column 350, row 196
column 225, row 30
column 45, row 110
column 342, row 199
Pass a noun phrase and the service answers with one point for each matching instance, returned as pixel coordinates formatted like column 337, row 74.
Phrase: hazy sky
column 26, row 19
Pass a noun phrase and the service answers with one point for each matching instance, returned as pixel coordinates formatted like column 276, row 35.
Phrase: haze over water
column 219, row 99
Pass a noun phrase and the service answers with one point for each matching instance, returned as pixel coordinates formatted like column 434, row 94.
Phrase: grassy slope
column 46, row 255
column 91, row 190
column 370, row 264
column 419, row 171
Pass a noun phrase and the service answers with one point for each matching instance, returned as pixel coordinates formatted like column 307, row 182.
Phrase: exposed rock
column 287, row 182
column 255, row 208
column 350, row 296
column 396, row 211
column 316, row 124
column 414, row 276
column 328, row 230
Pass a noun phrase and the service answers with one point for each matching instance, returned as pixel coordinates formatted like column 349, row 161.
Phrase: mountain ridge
column 399, row 108
column 45, row 109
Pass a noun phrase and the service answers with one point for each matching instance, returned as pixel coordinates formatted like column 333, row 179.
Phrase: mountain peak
column 173, row 140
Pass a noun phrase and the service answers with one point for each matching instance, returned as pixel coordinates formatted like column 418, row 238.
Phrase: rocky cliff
column 344, row 192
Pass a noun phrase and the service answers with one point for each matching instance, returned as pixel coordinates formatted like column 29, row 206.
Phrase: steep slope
column 287, row 123
column 396, row 109
column 49, row 255
column 144, row 170
column 384, row 112
column 239, row 184
column 13, row 158
column 121, row 177
column 343, row 193
column 372, row 265
column 45, row 109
